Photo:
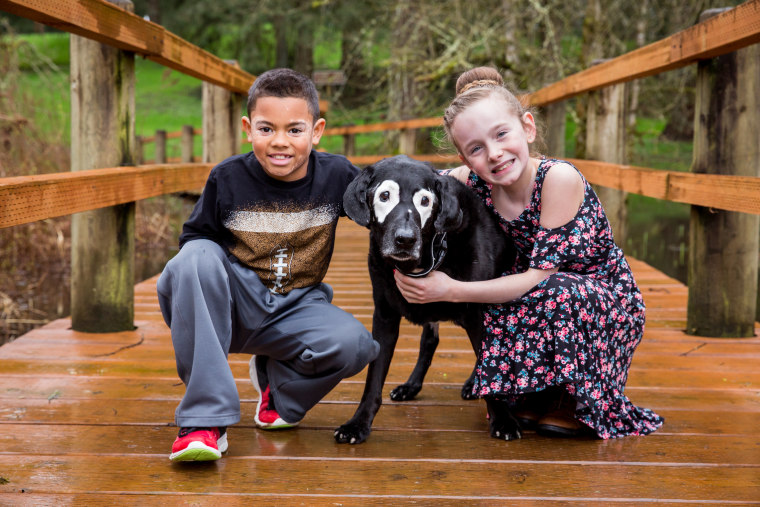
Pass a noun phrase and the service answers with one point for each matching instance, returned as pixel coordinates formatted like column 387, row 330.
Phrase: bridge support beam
column 222, row 110
column 723, row 245
column 102, row 135
column 555, row 129
column 605, row 141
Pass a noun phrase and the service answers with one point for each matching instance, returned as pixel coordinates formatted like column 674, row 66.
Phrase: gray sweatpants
column 215, row 307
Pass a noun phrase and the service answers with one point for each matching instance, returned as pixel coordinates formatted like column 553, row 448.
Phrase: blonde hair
column 475, row 85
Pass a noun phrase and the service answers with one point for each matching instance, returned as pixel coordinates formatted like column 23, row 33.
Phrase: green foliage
column 38, row 50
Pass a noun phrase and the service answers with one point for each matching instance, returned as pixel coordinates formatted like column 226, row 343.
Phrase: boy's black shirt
column 284, row 231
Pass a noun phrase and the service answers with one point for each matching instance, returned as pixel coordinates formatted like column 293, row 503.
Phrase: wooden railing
column 27, row 199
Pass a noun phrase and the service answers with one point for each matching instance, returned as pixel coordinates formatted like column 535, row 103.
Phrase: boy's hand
column 436, row 286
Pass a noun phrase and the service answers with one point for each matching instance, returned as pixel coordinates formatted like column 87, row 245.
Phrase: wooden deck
column 86, row 419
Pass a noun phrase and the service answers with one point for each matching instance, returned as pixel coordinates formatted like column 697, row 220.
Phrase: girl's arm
column 438, row 286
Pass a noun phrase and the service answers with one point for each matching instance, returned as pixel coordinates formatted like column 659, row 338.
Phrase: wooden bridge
column 86, row 417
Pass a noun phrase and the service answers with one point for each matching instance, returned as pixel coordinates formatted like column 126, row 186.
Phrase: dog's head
column 404, row 203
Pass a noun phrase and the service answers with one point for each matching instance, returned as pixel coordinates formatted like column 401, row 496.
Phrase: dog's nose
column 404, row 237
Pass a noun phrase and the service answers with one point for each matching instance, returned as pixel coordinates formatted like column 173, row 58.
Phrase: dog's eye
column 425, row 201
column 384, row 196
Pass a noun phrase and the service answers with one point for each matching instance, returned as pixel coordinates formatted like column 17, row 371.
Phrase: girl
column 562, row 326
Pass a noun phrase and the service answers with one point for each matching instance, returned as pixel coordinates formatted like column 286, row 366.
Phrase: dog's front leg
column 428, row 344
column 385, row 329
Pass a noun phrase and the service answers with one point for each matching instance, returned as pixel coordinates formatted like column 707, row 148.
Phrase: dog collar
column 438, row 249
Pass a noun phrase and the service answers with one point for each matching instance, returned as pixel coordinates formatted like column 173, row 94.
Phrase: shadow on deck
column 86, row 419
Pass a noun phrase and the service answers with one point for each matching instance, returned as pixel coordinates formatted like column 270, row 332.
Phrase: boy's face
column 282, row 132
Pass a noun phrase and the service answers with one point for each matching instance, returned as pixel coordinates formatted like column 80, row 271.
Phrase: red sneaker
column 266, row 416
column 199, row 444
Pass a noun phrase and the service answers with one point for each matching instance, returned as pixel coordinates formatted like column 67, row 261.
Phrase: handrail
column 25, row 199
column 114, row 26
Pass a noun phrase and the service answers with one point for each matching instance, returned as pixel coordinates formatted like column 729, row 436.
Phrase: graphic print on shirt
column 287, row 248
column 279, row 265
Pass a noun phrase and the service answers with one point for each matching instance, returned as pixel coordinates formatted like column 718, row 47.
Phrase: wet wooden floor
column 86, row 419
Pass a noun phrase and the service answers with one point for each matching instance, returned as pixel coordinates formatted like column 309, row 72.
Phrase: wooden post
column 723, row 245
column 139, row 157
column 222, row 110
column 160, row 144
column 187, row 143
column 407, row 141
column 349, row 145
column 605, row 141
column 555, row 129
column 102, row 135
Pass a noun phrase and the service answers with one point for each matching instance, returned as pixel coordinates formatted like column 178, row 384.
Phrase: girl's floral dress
column 578, row 328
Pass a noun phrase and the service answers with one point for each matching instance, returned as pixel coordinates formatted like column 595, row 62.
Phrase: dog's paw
column 467, row 391
column 505, row 430
column 405, row 392
column 351, row 433
column 502, row 423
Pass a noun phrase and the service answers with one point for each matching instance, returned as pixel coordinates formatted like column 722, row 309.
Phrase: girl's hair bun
column 478, row 77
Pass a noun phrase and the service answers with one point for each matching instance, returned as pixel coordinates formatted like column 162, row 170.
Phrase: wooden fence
column 724, row 188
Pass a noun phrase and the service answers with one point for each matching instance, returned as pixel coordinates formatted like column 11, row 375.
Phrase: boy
column 248, row 276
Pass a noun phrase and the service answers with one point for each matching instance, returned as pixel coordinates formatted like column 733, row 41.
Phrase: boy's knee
column 357, row 349
column 199, row 258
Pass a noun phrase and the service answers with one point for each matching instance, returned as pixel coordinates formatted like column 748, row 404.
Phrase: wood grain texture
column 25, row 199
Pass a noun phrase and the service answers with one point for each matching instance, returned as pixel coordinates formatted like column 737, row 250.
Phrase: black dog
column 420, row 221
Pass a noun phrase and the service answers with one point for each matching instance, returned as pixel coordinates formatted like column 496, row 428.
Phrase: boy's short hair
column 284, row 83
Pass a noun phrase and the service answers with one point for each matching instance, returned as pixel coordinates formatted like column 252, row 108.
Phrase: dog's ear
column 355, row 197
column 450, row 216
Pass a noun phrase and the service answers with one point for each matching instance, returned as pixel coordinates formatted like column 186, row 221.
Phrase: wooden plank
column 113, row 26
column 26, row 199
column 34, row 439
column 719, row 396
column 435, row 158
column 390, row 478
column 26, row 499
column 416, row 123
column 683, row 418
column 721, row 34
column 709, row 190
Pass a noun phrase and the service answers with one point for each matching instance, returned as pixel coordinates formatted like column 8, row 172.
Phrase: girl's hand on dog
column 436, row 286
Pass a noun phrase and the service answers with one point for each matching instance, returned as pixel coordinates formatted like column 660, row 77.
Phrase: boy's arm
column 204, row 222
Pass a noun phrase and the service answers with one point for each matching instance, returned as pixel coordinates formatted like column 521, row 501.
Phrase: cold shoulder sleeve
column 555, row 248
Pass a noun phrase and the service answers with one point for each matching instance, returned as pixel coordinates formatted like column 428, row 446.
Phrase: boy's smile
column 282, row 131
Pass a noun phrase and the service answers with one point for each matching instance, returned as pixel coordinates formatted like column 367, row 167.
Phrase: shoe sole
column 196, row 451
column 550, row 430
column 279, row 424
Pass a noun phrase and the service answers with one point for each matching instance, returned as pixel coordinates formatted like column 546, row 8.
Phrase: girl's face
column 493, row 141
